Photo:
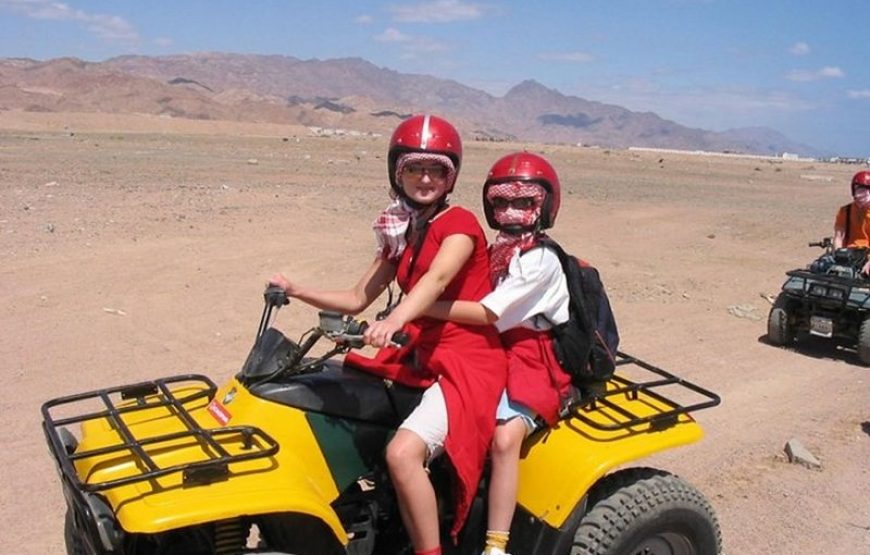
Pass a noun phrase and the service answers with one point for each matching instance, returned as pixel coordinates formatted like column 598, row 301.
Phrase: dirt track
column 134, row 248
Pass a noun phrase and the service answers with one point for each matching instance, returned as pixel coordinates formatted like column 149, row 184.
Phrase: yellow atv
column 288, row 457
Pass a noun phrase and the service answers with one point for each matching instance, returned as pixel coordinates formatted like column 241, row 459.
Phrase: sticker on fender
column 220, row 412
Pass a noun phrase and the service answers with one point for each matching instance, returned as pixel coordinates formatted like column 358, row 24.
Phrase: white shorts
column 429, row 421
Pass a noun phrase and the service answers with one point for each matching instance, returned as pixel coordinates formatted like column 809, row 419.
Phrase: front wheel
column 644, row 511
column 780, row 328
column 72, row 538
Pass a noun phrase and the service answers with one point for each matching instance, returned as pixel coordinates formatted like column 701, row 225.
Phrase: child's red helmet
column 860, row 179
column 525, row 167
column 424, row 133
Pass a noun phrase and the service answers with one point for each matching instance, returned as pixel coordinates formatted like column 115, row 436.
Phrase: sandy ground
column 137, row 247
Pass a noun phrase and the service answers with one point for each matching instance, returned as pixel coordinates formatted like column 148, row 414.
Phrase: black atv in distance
column 830, row 298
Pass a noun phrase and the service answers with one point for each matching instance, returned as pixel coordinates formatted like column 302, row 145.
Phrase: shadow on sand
column 820, row 348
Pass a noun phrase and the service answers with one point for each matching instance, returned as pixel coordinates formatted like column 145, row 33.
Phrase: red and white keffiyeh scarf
column 507, row 245
column 391, row 229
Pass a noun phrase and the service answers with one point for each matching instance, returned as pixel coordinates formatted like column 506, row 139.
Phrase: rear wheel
column 780, row 327
column 864, row 342
column 643, row 511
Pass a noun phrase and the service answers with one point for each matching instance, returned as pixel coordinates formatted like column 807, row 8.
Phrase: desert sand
column 135, row 247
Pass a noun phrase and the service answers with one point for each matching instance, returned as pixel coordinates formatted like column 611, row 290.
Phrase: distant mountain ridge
column 350, row 93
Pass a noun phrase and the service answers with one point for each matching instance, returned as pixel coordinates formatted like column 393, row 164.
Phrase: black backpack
column 586, row 344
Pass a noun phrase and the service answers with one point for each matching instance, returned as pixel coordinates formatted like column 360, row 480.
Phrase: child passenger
column 521, row 198
column 436, row 252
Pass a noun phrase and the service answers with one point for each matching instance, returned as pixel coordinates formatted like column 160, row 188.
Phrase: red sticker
column 220, row 412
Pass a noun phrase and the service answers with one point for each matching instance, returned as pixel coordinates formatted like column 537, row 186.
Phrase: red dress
column 467, row 361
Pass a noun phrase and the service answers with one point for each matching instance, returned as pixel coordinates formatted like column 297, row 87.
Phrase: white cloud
column 109, row 27
column 439, row 11
column 799, row 49
column 392, row 35
column 804, row 75
column 577, row 57
column 861, row 94
column 364, row 19
column 412, row 46
column 163, row 41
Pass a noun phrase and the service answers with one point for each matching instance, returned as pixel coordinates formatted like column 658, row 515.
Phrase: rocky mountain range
column 348, row 93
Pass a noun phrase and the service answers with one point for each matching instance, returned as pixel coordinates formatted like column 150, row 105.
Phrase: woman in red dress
column 435, row 252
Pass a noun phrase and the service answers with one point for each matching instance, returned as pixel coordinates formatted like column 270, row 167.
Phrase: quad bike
column 288, row 457
column 830, row 298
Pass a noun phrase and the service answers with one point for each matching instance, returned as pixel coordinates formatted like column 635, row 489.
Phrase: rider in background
column 852, row 224
column 521, row 198
column 435, row 251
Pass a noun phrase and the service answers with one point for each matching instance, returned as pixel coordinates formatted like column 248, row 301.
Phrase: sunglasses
column 436, row 171
column 522, row 203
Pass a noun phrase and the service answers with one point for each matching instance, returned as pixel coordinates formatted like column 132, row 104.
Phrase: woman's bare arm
column 452, row 255
column 347, row 301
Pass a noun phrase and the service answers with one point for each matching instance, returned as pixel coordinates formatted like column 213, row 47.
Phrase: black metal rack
column 148, row 396
column 662, row 417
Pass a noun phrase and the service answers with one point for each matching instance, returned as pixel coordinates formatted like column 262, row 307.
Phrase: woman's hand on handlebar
column 279, row 280
column 380, row 334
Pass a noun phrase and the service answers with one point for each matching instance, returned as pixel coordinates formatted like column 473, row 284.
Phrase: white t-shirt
column 534, row 285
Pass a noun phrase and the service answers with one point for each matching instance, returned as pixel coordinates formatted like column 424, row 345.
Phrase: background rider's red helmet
column 424, row 133
column 861, row 179
column 528, row 168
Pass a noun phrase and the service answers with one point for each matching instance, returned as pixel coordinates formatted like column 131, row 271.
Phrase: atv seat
column 344, row 393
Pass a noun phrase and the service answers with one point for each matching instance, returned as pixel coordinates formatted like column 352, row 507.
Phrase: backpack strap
column 570, row 267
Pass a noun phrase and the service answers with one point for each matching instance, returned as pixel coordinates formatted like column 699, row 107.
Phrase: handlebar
column 825, row 243
column 275, row 296
column 349, row 332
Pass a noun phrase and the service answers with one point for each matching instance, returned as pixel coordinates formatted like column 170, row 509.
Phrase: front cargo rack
column 150, row 396
column 640, row 394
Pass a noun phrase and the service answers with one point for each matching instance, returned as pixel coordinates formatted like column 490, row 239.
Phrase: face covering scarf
column 506, row 244
column 862, row 198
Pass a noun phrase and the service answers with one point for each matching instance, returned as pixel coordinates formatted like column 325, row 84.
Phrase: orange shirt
column 858, row 234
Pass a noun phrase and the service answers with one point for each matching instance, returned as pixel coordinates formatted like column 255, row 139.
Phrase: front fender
column 560, row 465
column 296, row 479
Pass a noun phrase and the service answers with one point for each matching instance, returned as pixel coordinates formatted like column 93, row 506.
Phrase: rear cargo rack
column 619, row 403
column 149, row 396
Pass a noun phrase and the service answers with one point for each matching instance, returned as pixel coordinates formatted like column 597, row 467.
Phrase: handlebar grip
column 275, row 296
column 400, row 338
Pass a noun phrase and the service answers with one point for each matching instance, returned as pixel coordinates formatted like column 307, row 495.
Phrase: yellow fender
column 294, row 480
column 578, row 454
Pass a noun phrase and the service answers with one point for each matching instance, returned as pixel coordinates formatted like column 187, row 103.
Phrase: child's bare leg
column 506, row 446
column 406, row 454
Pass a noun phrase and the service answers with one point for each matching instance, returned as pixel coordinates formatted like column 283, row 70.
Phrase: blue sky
column 800, row 67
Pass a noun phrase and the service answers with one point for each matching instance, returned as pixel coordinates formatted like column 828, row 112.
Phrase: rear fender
column 560, row 465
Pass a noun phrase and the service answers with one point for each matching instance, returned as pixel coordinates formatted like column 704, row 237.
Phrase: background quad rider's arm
column 452, row 255
column 346, row 301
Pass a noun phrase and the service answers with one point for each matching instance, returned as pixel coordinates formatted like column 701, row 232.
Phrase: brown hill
column 348, row 93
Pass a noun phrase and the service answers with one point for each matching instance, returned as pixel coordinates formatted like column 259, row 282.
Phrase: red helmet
column 525, row 167
column 861, row 179
column 424, row 133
